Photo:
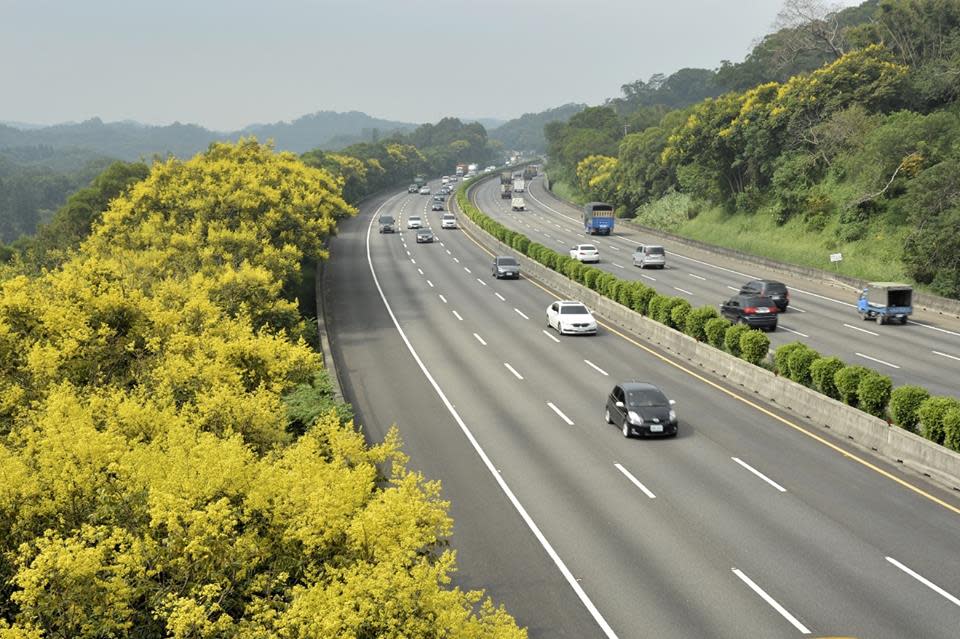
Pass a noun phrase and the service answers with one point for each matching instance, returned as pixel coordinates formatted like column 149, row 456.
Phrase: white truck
column 518, row 185
column 517, row 204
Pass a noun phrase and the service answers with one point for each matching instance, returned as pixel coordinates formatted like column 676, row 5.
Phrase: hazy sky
column 225, row 64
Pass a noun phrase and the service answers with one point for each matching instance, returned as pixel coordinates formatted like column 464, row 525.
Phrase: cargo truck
column 518, row 185
column 530, row 171
column 597, row 218
column 886, row 302
column 505, row 192
column 517, row 204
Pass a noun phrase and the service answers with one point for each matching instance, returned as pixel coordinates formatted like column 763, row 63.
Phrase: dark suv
column 777, row 291
column 752, row 310
column 387, row 224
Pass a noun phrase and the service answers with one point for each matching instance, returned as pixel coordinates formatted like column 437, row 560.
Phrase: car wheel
column 606, row 415
column 626, row 429
column 880, row 319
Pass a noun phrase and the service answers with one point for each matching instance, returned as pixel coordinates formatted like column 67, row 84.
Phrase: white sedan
column 569, row 316
column 585, row 253
column 414, row 222
column 448, row 221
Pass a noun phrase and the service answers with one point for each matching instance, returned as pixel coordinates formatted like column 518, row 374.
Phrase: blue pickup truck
column 886, row 302
column 597, row 218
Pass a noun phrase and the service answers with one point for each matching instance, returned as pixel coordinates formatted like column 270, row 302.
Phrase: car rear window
column 573, row 309
column 654, row 250
column 386, row 219
column 756, row 301
column 775, row 288
column 588, row 247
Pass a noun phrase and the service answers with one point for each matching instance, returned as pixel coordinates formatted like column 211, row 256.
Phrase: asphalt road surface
column 750, row 523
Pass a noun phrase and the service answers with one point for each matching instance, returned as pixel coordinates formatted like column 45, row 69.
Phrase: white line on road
column 770, row 600
column 548, row 235
column 481, row 281
column 513, row 370
column 652, row 279
column 635, row 481
column 926, row 582
column 457, row 315
column 408, row 253
column 467, row 270
column 697, row 276
column 682, row 290
column 759, row 474
column 614, row 247
column 551, row 336
column 945, row 355
column 595, row 367
column 560, row 413
column 456, row 260
column 733, row 288
column 790, row 330
column 430, row 283
column 797, row 308
column 448, row 252
column 521, row 313
column 862, row 330
column 618, row 265
column 443, row 299
column 480, row 339
column 420, row 270
column 502, row 298
column 878, row 361
column 413, row 261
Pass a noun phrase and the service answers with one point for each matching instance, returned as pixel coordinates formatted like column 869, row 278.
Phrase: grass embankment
column 874, row 257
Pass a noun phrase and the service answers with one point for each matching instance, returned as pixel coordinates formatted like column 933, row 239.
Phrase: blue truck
column 885, row 302
column 597, row 218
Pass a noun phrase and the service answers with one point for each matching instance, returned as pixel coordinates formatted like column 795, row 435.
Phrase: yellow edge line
column 749, row 403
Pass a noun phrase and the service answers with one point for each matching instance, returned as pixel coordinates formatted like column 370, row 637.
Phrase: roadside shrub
column 731, row 339
column 590, row 275
column 666, row 310
column 873, row 393
column 822, row 371
column 642, row 297
column 561, row 262
column 847, row 379
column 574, row 270
column 904, row 403
column 678, row 314
column 696, row 322
column 653, row 306
column 612, row 289
column 715, row 330
column 754, row 346
column 798, row 364
column 781, row 357
column 951, row 429
column 932, row 411
column 521, row 243
column 625, row 293
column 548, row 258
column 603, row 282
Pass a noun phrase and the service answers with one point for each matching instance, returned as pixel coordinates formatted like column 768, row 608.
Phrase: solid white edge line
column 770, row 600
column 521, row 313
column 946, row 355
column 759, row 474
column 636, row 482
column 878, row 361
column 862, row 330
column 560, row 414
column 580, row 592
column 926, row 582
column 596, row 368
column 480, row 339
column 513, row 370
column 553, row 337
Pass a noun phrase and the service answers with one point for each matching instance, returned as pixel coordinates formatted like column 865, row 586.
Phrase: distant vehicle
column 454, row 178
column 569, row 316
column 437, row 206
column 506, row 178
column 518, row 185
column 640, row 408
column 420, row 179
column 777, row 291
column 387, row 224
column 649, row 255
column 517, row 204
column 505, row 192
column 461, row 169
column 472, row 168
column 424, row 190
column 597, row 218
column 448, row 221
column 506, row 266
column 885, row 302
column 414, row 222
column 490, row 168
column 424, row 236
column 752, row 310
column 444, row 180
column 438, row 197
column 413, row 188
column 530, row 171
column 585, row 253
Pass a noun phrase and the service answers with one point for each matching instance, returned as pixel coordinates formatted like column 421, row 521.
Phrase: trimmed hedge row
column 702, row 324
column 910, row 407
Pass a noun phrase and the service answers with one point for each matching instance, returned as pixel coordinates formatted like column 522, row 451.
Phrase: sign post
column 836, row 258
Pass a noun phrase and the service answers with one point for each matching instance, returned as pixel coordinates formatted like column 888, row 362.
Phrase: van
column 517, row 204
column 651, row 255
column 387, row 224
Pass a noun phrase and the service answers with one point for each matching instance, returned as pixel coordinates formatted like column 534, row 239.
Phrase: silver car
column 651, row 255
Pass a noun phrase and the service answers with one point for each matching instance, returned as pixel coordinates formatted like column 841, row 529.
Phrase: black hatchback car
column 777, row 291
column 752, row 310
column 640, row 408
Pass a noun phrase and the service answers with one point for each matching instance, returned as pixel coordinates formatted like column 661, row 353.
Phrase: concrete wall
column 844, row 421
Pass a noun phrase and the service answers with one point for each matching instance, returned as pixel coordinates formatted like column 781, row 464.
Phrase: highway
column 926, row 351
column 744, row 525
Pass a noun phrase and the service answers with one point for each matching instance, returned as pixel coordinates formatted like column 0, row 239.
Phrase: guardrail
column 891, row 442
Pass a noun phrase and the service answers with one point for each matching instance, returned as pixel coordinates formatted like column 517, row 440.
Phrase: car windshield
column 507, row 261
column 573, row 309
column 646, row 397
column 654, row 250
column 587, row 247
column 386, row 219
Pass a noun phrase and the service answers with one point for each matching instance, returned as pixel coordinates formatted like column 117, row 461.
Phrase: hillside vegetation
column 859, row 155
column 172, row 462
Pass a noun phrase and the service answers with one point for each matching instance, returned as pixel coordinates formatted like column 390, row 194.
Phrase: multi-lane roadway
column 749, row 524
column 926, row 351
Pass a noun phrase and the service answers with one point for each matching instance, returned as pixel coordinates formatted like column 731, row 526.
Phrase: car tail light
column 750, row 310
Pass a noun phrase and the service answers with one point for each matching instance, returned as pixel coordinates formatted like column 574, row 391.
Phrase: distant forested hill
column 526, row 132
